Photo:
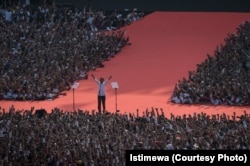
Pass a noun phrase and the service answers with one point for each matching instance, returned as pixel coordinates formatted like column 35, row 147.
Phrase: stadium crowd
column 90, row 138
column 223, row 78
column 45, row 49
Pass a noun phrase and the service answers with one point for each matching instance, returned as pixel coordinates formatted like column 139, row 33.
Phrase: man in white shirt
column 101, row 92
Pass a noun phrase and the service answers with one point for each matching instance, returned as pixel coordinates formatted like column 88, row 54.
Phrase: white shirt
column 101, row 87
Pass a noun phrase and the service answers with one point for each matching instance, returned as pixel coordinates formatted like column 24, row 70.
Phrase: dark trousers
column 101, row 101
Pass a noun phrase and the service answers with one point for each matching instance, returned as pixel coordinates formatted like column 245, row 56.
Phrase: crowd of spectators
column 45, row 49
column 91, row 138
column 223, row 78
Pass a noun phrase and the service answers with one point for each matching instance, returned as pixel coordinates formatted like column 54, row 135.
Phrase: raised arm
column 109, row 78
column 94, row 78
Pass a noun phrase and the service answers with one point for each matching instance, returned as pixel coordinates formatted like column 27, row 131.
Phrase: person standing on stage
column 101, row 92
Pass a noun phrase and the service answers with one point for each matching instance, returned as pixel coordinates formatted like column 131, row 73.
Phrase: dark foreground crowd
column 35, row 137
column 45, row 49
column 223, row 78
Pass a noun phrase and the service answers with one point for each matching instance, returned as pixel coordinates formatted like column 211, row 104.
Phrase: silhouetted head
column 101, row 80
